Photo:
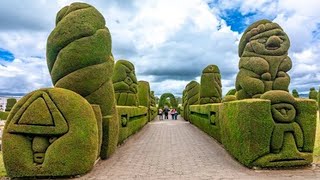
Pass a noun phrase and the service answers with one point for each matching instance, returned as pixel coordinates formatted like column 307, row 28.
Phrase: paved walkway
column 178, row 150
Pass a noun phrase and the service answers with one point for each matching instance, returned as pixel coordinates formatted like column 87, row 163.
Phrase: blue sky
column 169, row 41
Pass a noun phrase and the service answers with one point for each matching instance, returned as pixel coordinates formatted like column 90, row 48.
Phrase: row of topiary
column 94, row 105
column 260, row 123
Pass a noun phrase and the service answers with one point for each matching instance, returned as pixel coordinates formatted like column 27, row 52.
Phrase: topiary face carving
column 282, row 106
column 283, row 112
column 266, row 39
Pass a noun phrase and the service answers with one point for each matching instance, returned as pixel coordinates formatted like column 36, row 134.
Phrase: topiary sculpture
column 192, row 97
column 50, row 132
column 264, row 60
column 313, row 94
column 79, row 58
column 295, row 93
column 125, row 84
column 144, row 96
column 10, row 103
column 274, row 129
column 210, row 86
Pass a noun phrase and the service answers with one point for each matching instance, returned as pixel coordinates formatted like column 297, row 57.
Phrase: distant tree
column 295, row 93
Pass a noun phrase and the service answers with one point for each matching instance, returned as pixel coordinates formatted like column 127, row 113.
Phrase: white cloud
column 169, row 41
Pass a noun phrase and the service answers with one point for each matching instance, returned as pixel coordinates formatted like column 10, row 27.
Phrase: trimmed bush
column 313, row 94
column 3, row 115
column 144, row 96
column 163, row 98
column 192, row 97
column 206, row 118
column 50, row 132
column 10, row 103
column 295, row 93
column 210, row 85
column 79, row 59
column 153, row 106
column 229, row 98
column 274, row 131
column 132, row 119
column 231, row 92
column 264, row 60
column 125, row 84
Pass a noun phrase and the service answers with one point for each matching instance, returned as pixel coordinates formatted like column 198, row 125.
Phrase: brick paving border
column 178, row 150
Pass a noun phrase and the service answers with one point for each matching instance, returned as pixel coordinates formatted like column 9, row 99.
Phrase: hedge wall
column 131, row 120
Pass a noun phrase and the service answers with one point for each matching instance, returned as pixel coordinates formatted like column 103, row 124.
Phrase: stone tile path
column 178, row 150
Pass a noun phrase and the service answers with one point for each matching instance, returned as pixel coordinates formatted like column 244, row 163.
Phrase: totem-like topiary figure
column 192, row 96
column 50, row 132
column 273, row 129
column 10, row 103
column 264, row 60
column 295, row 93
column 79, row 58
column 152, row 99
column 210, row 86
column 125, row 84
column 144, row 96
column 313, row 94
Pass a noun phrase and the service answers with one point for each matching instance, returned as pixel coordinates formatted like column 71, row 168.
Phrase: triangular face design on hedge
column 39, row 116
column 41, row 119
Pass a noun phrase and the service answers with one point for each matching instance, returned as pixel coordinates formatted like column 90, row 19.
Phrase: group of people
column 166, row 111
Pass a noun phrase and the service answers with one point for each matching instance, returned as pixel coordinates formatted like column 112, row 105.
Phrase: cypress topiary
column 295, row 93
column 50, row 132
column 79, row 58
column 231, row 92
column 144, row 96
column 10, row 103
column 125, row 84
column 313, row 94
column 264, row 60
column 210, row 86
column 192, row 97
column 163, row 100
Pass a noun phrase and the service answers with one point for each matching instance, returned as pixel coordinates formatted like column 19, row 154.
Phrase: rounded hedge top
column 264, row 37
column 278, row 96
column 211, row 69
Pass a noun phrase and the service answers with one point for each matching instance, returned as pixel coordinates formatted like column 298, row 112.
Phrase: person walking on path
column 176, row 115
column 166, row 112
column 172, row 112
column 160, row 113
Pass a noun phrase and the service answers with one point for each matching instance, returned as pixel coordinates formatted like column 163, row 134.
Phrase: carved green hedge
column 144, row 96
column 295, row 93
column 132, row 119
column 3, row 115
column 10, row 103
column 210, row 85
column 50, row 132
column 163, row 98
column 125, row 84
column 79, row 58
column 192, row 92
column 264, row 60
column 206, row 118
column 313, row 94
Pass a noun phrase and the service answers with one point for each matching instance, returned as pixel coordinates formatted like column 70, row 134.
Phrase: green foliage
column 192, row 97
column 132, row 119
column 210, row 86
column 231, row 92
column 229, row 98
column 264, row 61
column 313, row 94
column 3, row 115
column 144, row 96
column 295, row 93
column 79, row 59
column 125, row 84
column 206, row 118
column 31, row 139
column 10, row 103
column 255, row 135
column 173, row 102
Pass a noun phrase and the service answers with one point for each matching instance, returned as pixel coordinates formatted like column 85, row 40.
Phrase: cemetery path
column 178, row 150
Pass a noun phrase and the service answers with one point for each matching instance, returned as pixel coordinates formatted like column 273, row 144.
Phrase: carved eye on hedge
column 262, row 40
column 124, row 120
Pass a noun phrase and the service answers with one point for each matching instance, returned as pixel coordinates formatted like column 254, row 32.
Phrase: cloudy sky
column 169, row 41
